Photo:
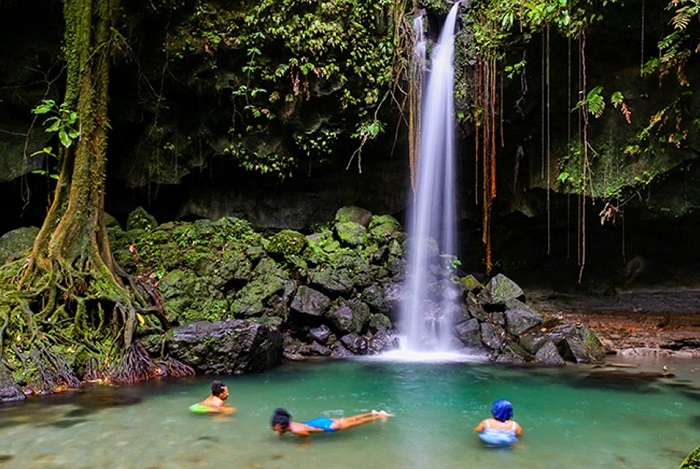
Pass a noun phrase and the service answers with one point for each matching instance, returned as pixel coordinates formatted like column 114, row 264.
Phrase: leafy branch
column 61, row 120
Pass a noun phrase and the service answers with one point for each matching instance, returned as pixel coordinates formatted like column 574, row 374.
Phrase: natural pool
column 572, row 418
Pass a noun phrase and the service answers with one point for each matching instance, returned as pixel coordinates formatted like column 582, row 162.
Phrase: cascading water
column 429, row 302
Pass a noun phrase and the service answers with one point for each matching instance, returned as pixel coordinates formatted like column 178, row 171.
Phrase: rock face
column 237, row 301
column 333, row 293
column 226, row 347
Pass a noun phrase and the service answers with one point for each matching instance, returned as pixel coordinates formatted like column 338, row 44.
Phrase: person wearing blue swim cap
column 500, row 430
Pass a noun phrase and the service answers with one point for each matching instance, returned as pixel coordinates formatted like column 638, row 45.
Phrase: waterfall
column 429, row 307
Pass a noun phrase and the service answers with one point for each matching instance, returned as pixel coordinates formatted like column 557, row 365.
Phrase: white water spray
column 429, row 305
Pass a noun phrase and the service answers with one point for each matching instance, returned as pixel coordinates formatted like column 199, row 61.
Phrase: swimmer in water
column 500, row 430
column 216, row 403
column 282, row 422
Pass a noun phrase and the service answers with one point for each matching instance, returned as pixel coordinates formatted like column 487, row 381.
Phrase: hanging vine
column 486, row 100
column 497, row 26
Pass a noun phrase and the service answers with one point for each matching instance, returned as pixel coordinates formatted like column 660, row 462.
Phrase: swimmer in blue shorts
column 282, row 422
column 500, row 430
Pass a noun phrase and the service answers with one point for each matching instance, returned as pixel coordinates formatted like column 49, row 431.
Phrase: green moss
column 286, row 243
column 692, row 461
column 140, row 219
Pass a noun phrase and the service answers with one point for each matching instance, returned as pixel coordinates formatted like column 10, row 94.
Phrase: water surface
column 574, row 417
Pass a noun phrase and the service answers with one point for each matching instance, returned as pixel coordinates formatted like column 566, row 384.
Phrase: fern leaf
column 595, row 102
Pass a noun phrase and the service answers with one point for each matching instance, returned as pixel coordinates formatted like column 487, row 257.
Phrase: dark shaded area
column 22, row 206
column 692, row 393
column 64, row 423
column 695, row 421
column 616, row 379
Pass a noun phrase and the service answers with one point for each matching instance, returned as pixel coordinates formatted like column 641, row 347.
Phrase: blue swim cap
column 502, row 410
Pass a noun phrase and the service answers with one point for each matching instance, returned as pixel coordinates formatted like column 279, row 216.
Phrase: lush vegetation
column 287, row 85
column 298, row 80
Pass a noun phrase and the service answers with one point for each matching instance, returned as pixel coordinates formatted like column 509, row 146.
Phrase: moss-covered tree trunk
column 71, row 316
column 72, row 245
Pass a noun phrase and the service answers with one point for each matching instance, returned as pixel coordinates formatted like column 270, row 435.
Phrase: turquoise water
column 572, row 418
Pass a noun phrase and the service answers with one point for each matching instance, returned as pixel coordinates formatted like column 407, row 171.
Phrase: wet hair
column 502, row 410
column 217, row 387
column 281, row 417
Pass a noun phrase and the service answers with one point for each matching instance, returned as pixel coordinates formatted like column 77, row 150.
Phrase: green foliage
column 286, row 243
column 621, row 167
column 692, row 461
column 60, row 120
column 594, row 103
column 668, row 125
column 261, row 159
column 499, row 24
column 617, row 99
column 677, row 47
column 285, row 67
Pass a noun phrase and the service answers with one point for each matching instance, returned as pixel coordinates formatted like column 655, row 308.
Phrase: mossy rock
column 286, row 243
column 350, row 233
column 379, row 322
column 187, row 297
column 321, row 245
column 141, row 219
column 237, row 229
column 349, row 316
column 15, row 242
column 384, row 228
column 267, row 294
column 470, row 283
column 353, row 214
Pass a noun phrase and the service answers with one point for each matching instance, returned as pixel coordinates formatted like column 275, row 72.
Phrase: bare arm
column 518, row 429
column 480, row 428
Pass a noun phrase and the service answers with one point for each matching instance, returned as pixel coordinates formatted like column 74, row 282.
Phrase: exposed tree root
column 61, row 327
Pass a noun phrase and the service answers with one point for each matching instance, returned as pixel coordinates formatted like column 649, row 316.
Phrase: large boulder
column 16, row 243
column 574, row 342
column 226, row 347
column 310, row 302
column 500, row 290
column 496, row 318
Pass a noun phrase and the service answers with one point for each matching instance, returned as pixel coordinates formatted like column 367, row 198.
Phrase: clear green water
column 572, row 419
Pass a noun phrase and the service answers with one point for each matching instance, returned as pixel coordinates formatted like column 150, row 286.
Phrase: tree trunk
column 72, row 314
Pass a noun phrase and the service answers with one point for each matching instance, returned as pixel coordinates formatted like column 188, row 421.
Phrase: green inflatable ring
column 199, row 409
